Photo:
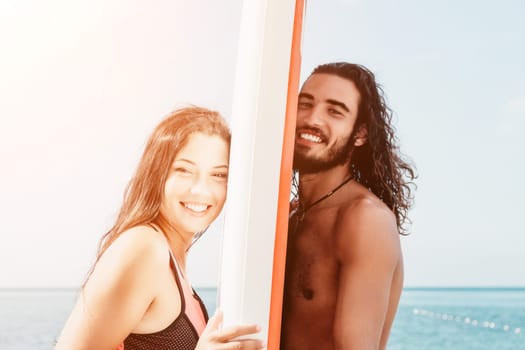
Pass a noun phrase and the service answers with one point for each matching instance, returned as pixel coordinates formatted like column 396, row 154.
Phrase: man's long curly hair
column 378, row 164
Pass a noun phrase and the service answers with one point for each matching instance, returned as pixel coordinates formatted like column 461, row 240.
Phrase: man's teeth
column 196, row 207
column 311, row 137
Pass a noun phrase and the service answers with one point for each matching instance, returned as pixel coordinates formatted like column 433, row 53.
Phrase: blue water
column 427, row 319
column 460, row 318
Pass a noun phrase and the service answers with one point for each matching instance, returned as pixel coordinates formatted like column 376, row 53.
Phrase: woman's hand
column 221, row 339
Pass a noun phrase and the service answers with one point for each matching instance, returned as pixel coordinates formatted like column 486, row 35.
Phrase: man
column 344, row 270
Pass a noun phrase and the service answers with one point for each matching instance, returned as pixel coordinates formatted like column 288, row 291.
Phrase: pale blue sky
column 82, row 84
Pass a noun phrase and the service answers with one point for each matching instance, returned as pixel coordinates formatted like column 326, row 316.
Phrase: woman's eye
column 222, row 176
column 304, row 105
column 182, row 171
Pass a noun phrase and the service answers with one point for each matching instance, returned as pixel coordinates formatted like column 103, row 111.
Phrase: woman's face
column 195, row 189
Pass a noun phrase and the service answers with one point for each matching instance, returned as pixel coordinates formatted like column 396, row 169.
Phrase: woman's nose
column 198, row 186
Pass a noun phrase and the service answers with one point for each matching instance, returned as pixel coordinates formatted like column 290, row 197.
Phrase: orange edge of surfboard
column 281, row 234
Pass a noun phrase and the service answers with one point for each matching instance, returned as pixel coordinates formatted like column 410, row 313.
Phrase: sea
column 427, row 318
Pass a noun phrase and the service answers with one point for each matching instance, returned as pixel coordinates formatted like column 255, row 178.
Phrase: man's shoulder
column 363, row 206
column 367, row 226
column 366, row 217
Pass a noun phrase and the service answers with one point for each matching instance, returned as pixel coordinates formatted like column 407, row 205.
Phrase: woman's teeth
column 196, row 207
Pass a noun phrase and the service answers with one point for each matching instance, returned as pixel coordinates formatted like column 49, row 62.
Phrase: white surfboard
column 263, row 127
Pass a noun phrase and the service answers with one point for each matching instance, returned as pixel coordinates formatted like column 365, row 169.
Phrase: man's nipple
column 308, row 293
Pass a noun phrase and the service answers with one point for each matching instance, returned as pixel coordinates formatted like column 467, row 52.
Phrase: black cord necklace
column 302, row 209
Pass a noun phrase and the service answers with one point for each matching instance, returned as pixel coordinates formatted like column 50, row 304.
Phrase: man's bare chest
column 312, row 264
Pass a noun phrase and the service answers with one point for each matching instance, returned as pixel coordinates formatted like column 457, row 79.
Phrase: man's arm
column 368, row 249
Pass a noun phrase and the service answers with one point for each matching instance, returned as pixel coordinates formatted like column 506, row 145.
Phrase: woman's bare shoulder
column 135, row 255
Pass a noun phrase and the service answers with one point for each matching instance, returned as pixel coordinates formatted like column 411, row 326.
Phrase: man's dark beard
column 336, row 157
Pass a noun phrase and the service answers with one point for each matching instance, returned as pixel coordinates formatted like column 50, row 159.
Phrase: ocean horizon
column 428, row 318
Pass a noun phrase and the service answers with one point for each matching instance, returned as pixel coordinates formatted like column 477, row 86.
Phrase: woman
column 137, row 295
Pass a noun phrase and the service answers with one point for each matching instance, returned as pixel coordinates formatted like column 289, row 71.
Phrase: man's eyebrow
column 338, row 103
column 306, row 95
column 330, row 101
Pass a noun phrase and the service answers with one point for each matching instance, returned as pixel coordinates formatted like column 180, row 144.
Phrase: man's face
column 326, row 114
